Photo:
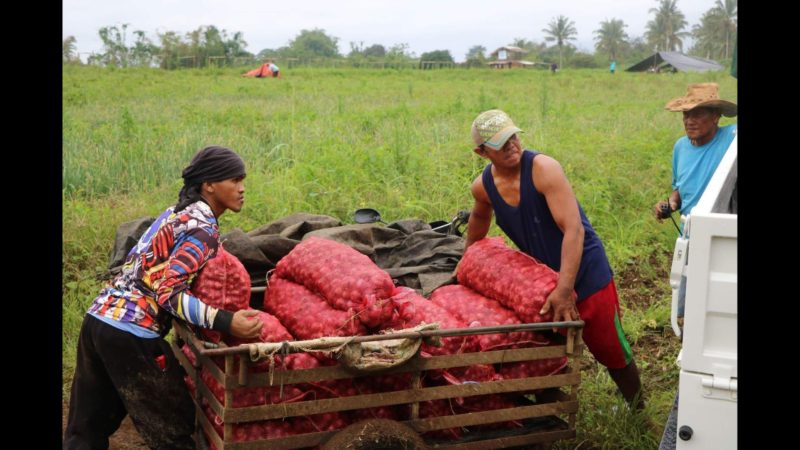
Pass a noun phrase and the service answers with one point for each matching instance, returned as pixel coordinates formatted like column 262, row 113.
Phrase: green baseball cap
column 492, row 128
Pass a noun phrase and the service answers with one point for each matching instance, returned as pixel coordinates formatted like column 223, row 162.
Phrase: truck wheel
column 376, row 434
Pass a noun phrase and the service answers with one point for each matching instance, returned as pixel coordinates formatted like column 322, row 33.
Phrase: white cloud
column 425, row 25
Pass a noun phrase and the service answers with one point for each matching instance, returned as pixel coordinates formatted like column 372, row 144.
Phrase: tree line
column 714, row 38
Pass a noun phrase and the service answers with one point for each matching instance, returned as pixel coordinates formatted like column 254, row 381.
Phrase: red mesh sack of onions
column 516, row 280
column 242, row 397
column 413, row 309
column 271, row 331
column 222, row 283
column 447, row 407
column 347, row 387
column 379, row 384
column 476, row 310
column 491, row 402
column 439, row 408
column 345, row 278
column 305, row 314
column 276, row 428
column 187, row 351
column 535, row 368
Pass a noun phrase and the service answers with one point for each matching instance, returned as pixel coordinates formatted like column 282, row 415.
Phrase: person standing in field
column 612, row 67
column 276, row 71
column 696, row 156
column 534, row 205
column 123, row 364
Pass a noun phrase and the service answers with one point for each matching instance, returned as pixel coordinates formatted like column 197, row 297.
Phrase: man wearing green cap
column 534, row 205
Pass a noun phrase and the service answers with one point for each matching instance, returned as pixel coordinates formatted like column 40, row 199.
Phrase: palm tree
column 611, row 37
column 235, row 46
column 116, row 51
column 727, row 12
column 68, row 48
column 560, row 29
column 716, row 31
column 665, row 30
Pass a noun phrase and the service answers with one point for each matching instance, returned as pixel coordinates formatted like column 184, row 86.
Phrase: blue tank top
column 532, row 228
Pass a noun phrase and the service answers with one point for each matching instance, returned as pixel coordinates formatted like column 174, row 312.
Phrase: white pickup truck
column 705, row 259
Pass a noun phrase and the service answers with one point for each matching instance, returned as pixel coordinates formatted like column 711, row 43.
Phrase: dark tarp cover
column 408, row 250
column 681, row 62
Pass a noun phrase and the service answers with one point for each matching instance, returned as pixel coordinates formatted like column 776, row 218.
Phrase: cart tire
column 376, row 434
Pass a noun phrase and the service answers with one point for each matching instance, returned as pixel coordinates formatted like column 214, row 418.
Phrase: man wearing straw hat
column 696, row 156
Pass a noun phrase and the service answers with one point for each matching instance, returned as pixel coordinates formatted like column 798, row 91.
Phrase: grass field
column 329, row 141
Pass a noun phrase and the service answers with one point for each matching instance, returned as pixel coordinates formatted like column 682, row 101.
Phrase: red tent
column 261, row 72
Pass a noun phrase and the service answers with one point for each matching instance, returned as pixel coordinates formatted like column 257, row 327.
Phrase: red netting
column 345, row 278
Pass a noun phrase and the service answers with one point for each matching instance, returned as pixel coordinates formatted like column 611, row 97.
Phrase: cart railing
column 565, row 404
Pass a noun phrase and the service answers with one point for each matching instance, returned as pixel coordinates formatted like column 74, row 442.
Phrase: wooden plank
column 203, row 360
column 498, row 415
column 575, row 368
column 561, row 396
column 202, row 389
column 214, row 370
column 252, row 413
column 183, row 360
column 228, row 396
column 215, row 404
column 414, row 364
column 570, row 341
column 416, row 383
column 289, row 442
column 329, row 343
column 244, row 368
column 512, row 441
column 530, row 436
column 312, row 439
column 215, row 438
column 200, row 421
column 187, row 335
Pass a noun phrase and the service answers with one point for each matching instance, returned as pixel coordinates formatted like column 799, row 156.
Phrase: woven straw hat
column 702, row 94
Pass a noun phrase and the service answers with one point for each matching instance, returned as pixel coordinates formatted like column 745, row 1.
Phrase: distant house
column 674, row 62
column 508, row 57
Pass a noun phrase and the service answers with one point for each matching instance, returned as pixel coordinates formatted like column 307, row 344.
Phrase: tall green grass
column 330, row 141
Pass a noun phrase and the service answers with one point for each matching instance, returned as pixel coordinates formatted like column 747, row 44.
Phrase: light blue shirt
column 273, row 67
column 692, row 167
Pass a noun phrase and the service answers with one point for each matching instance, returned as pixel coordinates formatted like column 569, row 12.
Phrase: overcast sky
column 424, row 25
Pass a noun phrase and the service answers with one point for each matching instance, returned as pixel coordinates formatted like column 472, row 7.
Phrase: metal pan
column 367, row 215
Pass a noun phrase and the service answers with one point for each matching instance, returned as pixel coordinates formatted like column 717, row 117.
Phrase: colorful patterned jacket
column 159, row 270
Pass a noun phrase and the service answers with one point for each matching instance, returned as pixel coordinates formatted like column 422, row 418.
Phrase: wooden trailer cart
column 542, row 422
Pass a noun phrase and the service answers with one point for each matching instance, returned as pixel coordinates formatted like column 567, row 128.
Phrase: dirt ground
column 126, row 438
column 639, row 289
